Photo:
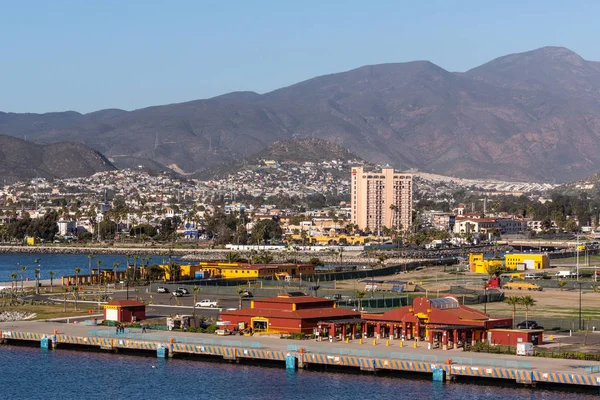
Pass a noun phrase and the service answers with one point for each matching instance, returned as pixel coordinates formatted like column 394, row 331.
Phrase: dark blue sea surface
column 32, row 373
column 62, row 264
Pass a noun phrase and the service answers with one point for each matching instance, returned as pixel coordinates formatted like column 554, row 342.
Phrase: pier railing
column 432, row 358
column 178, row 339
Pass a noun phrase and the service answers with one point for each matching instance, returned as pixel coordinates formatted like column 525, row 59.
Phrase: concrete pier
column 438, row 366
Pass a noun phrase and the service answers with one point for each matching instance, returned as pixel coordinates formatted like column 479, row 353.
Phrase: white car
column 206, row 303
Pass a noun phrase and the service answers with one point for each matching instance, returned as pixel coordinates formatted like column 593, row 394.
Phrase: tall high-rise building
column 381, row 198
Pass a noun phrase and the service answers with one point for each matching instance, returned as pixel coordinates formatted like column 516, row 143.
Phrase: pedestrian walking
column 117, row 329
column 143, row 328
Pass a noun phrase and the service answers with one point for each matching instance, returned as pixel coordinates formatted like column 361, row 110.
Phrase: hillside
column 527, row 116
column 289, row 152
column 21, row 160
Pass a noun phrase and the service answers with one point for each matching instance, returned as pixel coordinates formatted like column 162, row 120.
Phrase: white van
column 564, row 274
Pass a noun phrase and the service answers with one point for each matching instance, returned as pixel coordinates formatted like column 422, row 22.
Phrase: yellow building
column 481, row 265
column 240, row 270
column 526, row 261
column 31, row 241
column 323, row 240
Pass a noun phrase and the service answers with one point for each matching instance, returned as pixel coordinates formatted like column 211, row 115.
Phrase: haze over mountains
column 530, row 116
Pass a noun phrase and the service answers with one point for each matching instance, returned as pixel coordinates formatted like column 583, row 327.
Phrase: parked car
column 529, row 324
column 183, row 290
column 247, row 293
column 162, row 289
column 206, row 303
column 178, row 293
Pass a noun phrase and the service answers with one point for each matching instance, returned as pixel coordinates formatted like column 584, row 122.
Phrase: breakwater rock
column 356, row 257
column 142, row 251
column 7, row 316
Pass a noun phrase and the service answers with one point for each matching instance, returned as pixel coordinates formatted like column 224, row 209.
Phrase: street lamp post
column 485, row 302
column 577, row 254
column 580, row 283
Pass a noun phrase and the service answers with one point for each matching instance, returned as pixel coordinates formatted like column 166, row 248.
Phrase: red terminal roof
column 125, row 303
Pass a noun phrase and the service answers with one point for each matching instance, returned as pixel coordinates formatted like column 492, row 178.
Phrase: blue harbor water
column 62, row 264
column 31, row 373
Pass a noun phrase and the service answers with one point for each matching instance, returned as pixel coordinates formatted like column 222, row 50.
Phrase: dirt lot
column 551, row 303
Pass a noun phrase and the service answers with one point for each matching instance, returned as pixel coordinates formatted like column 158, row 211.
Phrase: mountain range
column 527, row 116
column 21, row 160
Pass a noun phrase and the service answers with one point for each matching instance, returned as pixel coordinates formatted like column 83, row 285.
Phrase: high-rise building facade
column 381, row 198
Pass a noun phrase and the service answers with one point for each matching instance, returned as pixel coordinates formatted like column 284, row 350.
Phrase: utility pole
column 580, row 283
column 577, row 254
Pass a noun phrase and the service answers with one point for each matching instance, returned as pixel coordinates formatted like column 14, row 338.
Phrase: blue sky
column 89, row 55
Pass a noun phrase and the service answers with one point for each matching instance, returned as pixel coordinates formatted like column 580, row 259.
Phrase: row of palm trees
column 525, row 301
column 14, row 277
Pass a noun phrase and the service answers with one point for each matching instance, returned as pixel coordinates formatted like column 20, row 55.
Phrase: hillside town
column 310, row 201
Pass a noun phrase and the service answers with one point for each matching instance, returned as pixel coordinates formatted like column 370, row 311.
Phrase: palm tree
column 98, row 262
column 232, row 257
column 195, row 290
column 23, row 269
column 393, row 209
column 90, row 258
column 359, row 295
column 37, row 275
column 240, row 293
column 128, row 258
column 527, row 301
column 115, row 266
column 37, row 280
column 513, row 301
column 51, row 273
column 14, row 284
column 341, row 253
column 333, row 253
column 77, row 271
column 135, row 259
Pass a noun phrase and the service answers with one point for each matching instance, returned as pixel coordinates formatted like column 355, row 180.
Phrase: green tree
column 360, row 294
column 115, row 267
column 37, row 280
column 315, row 261
column 195, row 290
column 14, row 276
column 23, row 269
column 155, row 273
column 265, row 231
column 495, row 270
column 51, row 273
column 240, row 293
column 90, row 258
column 107, row 229
column 99, row 262
column 232, row 257
column 174, row 271
column 513, row 301
column 135, row 269
column 77, row 271
column 527, row 302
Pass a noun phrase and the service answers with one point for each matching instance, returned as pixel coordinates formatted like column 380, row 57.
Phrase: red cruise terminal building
column 443, row 322
column 286, row 313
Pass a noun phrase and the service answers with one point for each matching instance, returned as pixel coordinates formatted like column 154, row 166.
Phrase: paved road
column 163, row 304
